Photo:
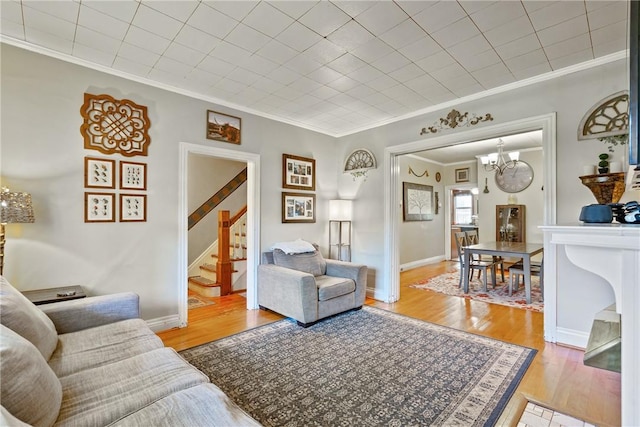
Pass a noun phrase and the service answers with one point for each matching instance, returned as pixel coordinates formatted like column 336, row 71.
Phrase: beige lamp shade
column 340, row 210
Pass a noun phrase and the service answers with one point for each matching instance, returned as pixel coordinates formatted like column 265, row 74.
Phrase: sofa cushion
column 204, row 405
column 110, row 392
column 24, row 318
column 93, row 347
column 331, row 287
column 29, row 389
column 309, row 262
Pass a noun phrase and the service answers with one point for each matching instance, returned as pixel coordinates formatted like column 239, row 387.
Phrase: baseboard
column 572, row 338
column 376, row 294
column 421, row 262
column 164, row 323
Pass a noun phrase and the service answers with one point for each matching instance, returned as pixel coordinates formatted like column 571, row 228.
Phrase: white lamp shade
column 514, row 155
column 484, row 160
column 340, row 210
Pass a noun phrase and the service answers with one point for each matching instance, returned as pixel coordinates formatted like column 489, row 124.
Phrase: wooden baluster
column 223, row 266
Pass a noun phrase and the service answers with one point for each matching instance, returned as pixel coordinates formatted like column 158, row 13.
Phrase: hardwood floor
column 557, row 378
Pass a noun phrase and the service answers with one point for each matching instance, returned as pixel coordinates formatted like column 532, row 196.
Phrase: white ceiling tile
column 343, row 84
column 123, row 10
column 294, row 8
column 614, row 12
column 277, row 52
column 381, row 17
column 243, row 76
column 203, row 77
column 156, row 22
column 479, row 60
column 250, row 95
column 12, row 29
column 556, row 13
column 324, row 51
column 450, row 72
column 305, row 85
column 144, row 39
column 423, row 84
column 45, row 23
column 303, row 64
column 298, row 37
column 519, row 47
column 288, row 93
column 350, row 36
column 391, row 62
column 398, row 91
column 267, row 85
column 610, row 47
column 131, row 67
column 172, row 66
column 93, row 55
column 566, row 30
column 575, row 58
column 165, row 77
column 361, row 91
column 247, row 38
column 138, row 54
column 435, row 61
column 233, row 8
column 439, row 16
column 230, row 86
column 532, row 71
column 284, row 75
column 184, row 54
column 406, row 73
column 469, row 47
column 211, row 21
column 267, row 19
column 568, row 47
column 455, row 33
column 493, row 76
column 608, row 34
column 472, row 6
column 365, row 74
column 403, row 34
column 420, row 49
column 527, row 61
column 230, row 53
column 533, row 5
column 48, row 40
column 372, row 50
column 324, row 18
column 259, row 64
column 353, row 8
column 437, row 98
column 412, row 7
column 381, row 83
column 11, row 11
column 509, row 32
column 599, row 4
column 216, row 66
column 467, row 90
column 324, row 92
column 67, row 10
column 102, row 23
column 346, row 63
column 177, row 9
column 497, row 14
column 196, row 39
column 97, row 40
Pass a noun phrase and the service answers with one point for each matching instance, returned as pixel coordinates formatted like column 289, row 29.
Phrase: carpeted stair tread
column 202, row 281
column 208, row 267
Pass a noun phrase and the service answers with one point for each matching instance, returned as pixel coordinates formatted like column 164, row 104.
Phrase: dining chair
column 480, row 266
column 516, row 271
column 473, row 239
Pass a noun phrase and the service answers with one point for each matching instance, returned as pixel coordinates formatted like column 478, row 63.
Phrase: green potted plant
column 603, row 164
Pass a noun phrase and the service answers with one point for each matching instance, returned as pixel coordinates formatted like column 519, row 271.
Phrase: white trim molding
column 421, row 262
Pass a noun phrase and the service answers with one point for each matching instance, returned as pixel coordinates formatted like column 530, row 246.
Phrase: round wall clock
column 516, row 179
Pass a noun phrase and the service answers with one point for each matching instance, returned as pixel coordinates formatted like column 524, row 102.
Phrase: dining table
column 522, row 250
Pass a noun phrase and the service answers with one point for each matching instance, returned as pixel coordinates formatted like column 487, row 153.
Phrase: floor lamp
column 340, row 212
column 14, row 208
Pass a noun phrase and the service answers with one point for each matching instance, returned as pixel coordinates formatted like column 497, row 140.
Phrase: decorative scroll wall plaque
column 114, row 126
column 455, row 119
column 609, row 117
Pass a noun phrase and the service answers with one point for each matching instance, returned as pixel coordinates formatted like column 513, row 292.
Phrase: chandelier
column 496, row 161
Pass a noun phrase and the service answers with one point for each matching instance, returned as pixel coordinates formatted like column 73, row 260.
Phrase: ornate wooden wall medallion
column 115, row 126
column 609, row 117
column 455, row 119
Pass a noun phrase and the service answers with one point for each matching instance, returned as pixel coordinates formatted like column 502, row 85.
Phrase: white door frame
column 392, row 198
column 253, row 219
column 447, row 212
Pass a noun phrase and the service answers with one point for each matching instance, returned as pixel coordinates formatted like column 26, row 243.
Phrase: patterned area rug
column 447, row 283
column 364, row 368
column 195, row 301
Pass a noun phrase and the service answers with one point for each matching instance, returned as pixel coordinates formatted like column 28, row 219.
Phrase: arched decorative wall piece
column 115, row 126
column 359, row 162
column 609, row 117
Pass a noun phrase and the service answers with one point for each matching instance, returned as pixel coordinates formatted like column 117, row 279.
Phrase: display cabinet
column 511, row 223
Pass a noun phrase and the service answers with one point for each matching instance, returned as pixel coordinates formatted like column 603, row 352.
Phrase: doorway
column 546, row 123
column 253, row 219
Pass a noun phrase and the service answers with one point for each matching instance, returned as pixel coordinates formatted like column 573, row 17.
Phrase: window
column 462, row 207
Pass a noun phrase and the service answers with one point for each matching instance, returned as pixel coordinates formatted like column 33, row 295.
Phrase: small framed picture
column 99, row 173
column 133, row 207
column 133, row 176
column 221, row 127
column 298, row 207
column 99, row 207
column 298, row 173
column 462, row 175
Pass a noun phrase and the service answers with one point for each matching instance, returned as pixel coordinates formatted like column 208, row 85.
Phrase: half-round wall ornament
column 609, row 117
column 114, row 126
column 359, row 162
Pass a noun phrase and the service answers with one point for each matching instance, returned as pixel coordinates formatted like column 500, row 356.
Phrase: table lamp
column 14, row 208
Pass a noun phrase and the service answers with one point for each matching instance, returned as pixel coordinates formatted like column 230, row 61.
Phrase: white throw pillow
column 30, row 390
column 24, row 318
column 298, row 246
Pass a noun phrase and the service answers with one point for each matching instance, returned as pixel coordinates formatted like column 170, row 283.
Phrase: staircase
column 219, row 272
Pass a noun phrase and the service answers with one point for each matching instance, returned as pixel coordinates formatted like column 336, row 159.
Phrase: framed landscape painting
column 417, row 201
column 298, row 173
column 298, row 207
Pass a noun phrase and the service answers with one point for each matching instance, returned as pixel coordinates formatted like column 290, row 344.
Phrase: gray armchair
column 307, row 287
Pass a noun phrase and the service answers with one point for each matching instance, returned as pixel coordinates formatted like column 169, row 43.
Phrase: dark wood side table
column 46, row 296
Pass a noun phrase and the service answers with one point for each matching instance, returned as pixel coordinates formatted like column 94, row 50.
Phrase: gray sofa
column 94, row 362
column 307, row 287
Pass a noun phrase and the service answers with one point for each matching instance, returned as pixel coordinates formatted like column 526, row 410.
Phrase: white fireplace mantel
column 611, row 251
